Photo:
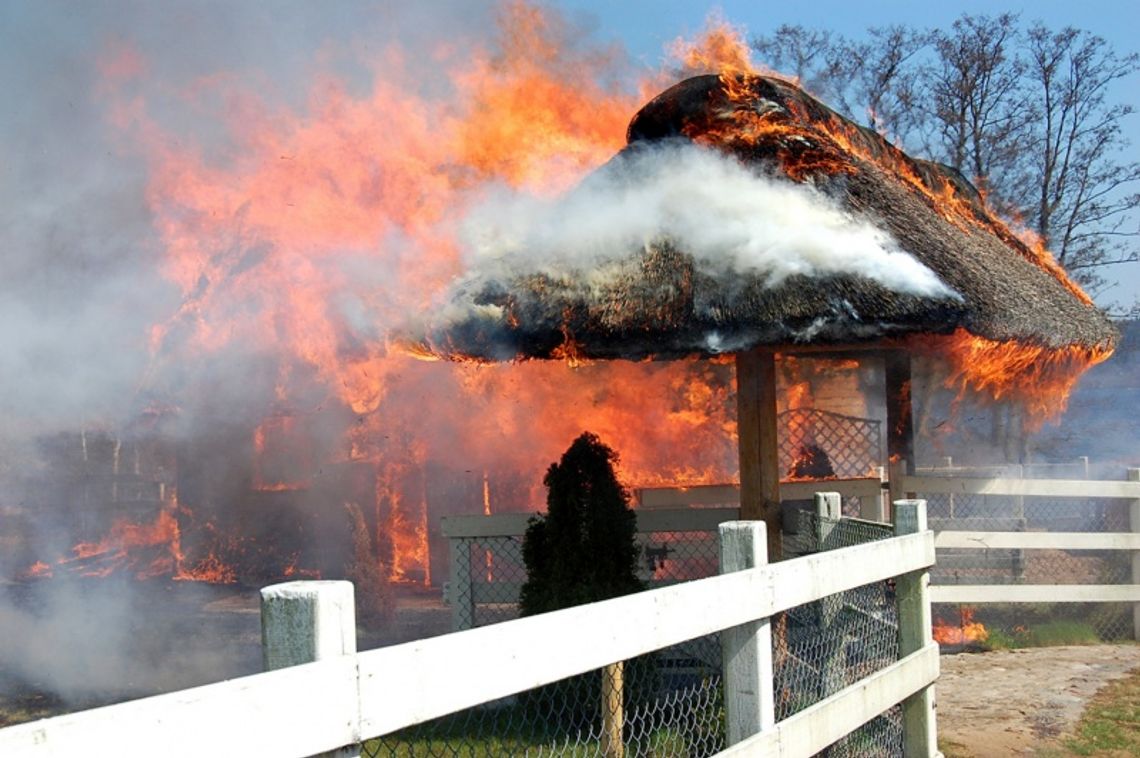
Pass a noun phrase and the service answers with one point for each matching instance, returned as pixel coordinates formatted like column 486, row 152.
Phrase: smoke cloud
column 733, row 220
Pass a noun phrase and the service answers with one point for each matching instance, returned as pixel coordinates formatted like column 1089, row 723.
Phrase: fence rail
column 343, row 700
column 989, row 544
column 998, row 546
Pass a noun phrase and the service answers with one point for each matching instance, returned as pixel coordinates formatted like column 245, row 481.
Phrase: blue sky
column 643, row 26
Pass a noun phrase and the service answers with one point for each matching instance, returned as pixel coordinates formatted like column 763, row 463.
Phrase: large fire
column 1038, row 377
column 141, row 549
column 310, row 233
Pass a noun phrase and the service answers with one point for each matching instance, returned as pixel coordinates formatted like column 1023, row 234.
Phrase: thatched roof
column 659, row 300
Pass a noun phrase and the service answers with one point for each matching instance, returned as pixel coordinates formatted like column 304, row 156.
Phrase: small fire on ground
column 964, row 631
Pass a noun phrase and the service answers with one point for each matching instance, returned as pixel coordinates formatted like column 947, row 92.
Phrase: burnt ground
column 180, row 635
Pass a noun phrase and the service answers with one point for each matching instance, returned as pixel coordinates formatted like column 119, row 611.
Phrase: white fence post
column 913, row 597
column 1134, row 525
column 828, row 512
column 460, row 589
column 307, row 621
column 747, row 649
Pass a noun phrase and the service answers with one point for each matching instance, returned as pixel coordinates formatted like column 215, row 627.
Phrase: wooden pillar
column 759, row 451
column 912, row 593
column 461, row 586
column 613, row 710
column 746, row 650
column 1134, row 523
column 828, row 513
column 307, row 621
column 900, row 422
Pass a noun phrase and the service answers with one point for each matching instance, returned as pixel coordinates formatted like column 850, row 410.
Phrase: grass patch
column 951, row 749
column 663, row 742
column 1110, row 725
column 1045, row 634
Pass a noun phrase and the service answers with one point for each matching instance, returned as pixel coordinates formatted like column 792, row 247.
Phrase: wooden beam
column 912, row 594
column 1034, row 593
column 1079, row 488
column 1038, row 541
column 900, row 421
column 756, row 433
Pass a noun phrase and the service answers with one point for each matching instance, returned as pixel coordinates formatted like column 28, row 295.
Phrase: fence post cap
column 910, row 516
column 307, row 587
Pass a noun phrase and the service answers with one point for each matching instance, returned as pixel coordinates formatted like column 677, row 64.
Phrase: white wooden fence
column 1128, row 490
column 344, row 699
column 668, row 509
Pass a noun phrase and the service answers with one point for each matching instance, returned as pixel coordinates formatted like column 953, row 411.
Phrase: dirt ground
column 1022, row 702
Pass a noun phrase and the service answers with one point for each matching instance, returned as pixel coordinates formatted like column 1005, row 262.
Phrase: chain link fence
column 670, row 702
column 827, row 645
column 1029, row 623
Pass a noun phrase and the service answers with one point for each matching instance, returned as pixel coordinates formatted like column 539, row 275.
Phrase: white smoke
column 730, row 218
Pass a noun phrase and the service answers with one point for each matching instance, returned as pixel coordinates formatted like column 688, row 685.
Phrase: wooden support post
column 746, row 649
column 613, row 710
column 913, row 598
column 900, row 421
column 308, row 621
column 759, row 450
column 461, row 592
column 874, row 509
column 1134, row 523
column 828, row 512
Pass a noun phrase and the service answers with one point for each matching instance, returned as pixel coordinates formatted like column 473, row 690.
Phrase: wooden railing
column 680, row 508
column 344, row 699
column 992, row 539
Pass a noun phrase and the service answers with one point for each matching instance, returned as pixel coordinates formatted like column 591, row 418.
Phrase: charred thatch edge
column 542, row 324
column 665, row 308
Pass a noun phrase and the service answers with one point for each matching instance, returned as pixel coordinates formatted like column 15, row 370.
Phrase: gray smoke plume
column 730, row 218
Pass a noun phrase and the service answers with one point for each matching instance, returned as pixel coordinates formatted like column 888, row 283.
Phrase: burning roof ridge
column 763, row 107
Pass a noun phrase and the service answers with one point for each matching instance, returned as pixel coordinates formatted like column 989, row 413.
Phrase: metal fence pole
column 1134, row 525
column 747, row 649
column 913, row 597
column 308, row 621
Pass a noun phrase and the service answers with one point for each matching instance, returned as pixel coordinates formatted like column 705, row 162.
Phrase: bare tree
column 817, row 59
column 1077, row 198
column 886, row 78
column 975, row 104
column 1027, row 115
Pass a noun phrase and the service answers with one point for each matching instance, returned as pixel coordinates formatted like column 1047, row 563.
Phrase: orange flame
column 144, row 549
column 38, row 570
column 720, row 48
column 1037, row 377
column 965, row 631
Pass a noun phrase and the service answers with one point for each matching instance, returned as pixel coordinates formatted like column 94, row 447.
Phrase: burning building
column 744, row 217
column 740, row 215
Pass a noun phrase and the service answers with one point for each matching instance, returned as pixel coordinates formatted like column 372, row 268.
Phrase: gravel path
column 1020, row 702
